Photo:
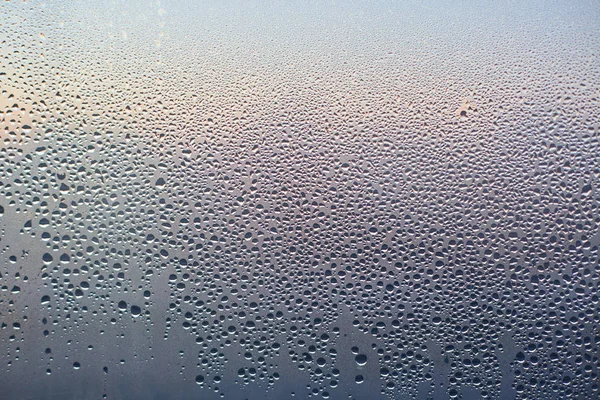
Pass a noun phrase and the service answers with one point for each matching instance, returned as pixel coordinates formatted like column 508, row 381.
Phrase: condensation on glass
column 305, row 199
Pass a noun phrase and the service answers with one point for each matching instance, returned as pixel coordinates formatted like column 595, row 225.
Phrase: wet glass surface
column 304, row 199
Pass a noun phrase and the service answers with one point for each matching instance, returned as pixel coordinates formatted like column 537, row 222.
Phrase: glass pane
column 302, row 199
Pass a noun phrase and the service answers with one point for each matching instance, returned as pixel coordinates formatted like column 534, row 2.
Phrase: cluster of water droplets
column 297, row 220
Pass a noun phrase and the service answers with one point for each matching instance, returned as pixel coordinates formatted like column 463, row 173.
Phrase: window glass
column 302, row 199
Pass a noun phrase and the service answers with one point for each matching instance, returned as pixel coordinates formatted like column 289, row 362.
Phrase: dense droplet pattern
column 312, row 201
